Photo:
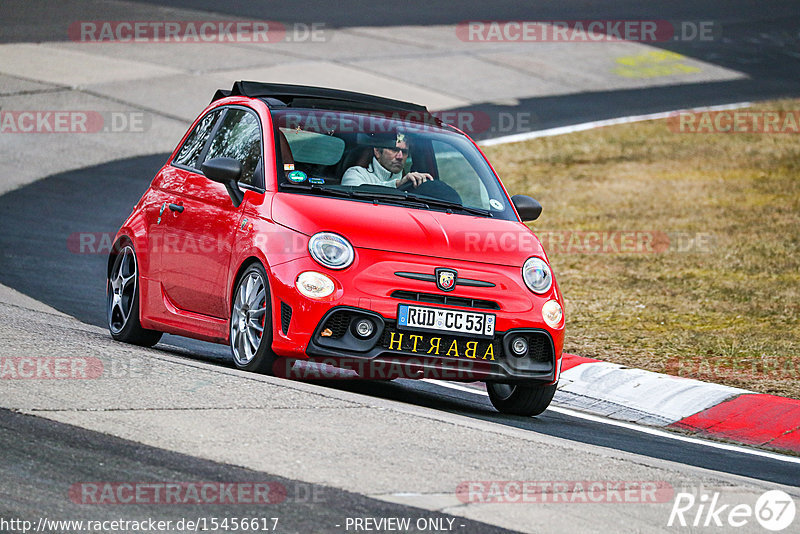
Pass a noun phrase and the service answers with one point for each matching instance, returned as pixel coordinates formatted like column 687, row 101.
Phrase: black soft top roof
column 277, row 95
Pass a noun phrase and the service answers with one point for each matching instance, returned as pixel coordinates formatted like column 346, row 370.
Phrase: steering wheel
column 434, row 189
column 408, row 186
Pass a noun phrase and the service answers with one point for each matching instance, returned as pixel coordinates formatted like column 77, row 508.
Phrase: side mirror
column 528, row 208
column 226, row 171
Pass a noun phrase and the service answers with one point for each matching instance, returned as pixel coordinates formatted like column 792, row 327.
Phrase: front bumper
column 374, row 289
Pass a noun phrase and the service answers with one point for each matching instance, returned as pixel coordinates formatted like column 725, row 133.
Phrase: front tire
column 122, row 301
column 251, row 322
column 515, row 399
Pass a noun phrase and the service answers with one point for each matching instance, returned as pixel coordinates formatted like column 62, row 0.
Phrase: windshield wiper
column 314, row 188
column 388, row 195
column 400, row 198
column 442, row 203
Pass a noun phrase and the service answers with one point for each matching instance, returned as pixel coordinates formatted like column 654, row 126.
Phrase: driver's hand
column 415, row 178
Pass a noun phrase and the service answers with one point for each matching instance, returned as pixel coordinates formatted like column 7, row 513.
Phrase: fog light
column 552, row 313
column 364, row 328
column 519, row 346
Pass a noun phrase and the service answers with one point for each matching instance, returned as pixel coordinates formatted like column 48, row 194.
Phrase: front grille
column 286, row 317
column 447, row 300
column 338, row 323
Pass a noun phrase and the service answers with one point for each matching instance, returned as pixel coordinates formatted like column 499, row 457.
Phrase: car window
column 314, row 148
column 239, row 137
column 189, row 153
column 456, row 171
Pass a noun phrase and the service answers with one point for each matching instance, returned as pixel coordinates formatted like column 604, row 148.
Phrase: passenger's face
column 392, row 159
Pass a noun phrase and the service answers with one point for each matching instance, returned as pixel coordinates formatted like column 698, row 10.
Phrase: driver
column 386, row 167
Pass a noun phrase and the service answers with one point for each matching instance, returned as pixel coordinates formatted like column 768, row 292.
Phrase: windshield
column 380, row 158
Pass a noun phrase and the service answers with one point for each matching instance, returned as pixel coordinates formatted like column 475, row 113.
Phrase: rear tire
column 515, row 399
column 251, row 322
column 122, row 300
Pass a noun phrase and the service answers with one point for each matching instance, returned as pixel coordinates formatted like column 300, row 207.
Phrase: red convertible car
column 303, row 223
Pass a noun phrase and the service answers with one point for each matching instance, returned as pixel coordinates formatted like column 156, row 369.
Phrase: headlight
column 314, row 285
column 537, row 275
column 552, row 313
column 331, row 250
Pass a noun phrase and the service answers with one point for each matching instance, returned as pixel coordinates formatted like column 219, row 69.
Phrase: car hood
column 410, row 231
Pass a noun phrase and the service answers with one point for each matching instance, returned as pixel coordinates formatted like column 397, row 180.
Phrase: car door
column 169, row 184
column 201, row 220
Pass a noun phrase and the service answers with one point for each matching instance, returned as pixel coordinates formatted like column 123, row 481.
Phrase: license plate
column 429, row 319
column 431, row 344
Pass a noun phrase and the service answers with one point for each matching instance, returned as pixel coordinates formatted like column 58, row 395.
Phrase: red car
column 303, row 223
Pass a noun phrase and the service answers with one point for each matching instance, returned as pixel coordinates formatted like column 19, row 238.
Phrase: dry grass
column 728, row 312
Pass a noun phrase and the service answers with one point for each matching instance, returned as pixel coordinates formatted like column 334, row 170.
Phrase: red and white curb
column 703, row 408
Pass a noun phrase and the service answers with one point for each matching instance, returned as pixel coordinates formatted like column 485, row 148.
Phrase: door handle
column 176, row 207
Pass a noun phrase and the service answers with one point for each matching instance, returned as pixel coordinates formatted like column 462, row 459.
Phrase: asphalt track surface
column 34, row 450
column 41, row 257
column 759, row 39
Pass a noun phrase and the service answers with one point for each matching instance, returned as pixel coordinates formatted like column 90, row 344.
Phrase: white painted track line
column 637, row 428
column 515, row 138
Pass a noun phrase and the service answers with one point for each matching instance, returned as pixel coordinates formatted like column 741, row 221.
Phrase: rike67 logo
column 774, row 511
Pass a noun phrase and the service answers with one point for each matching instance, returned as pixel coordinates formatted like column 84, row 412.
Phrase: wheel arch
column 119, row 241
column 245, row 264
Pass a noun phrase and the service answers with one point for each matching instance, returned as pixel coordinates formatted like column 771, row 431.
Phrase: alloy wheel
column 248, row 318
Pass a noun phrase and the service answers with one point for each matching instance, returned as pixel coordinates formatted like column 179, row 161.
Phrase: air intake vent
column 447, row 300
column 286, row 317
column 338, row 323
column 539, row 348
